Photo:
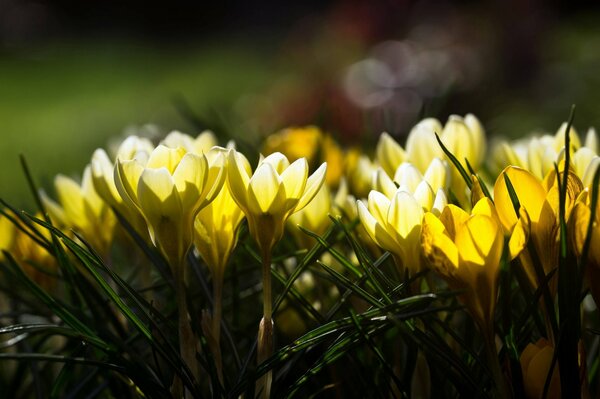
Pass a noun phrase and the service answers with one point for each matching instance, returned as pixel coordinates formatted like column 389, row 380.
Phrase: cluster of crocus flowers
column 410, row 201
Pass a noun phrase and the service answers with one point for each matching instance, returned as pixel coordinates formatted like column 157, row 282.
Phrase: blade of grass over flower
column 568, row 297
column 455, row 162
column 483, row 186
column 512, row 194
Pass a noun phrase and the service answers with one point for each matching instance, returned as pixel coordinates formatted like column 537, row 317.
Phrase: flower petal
column 238, row 178
column 165, row 157
column 264, row 188
column 294, row 178
column 375, row 230
column 313, row 184
column 529, row 190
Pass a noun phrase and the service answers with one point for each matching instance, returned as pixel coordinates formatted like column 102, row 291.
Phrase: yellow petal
column 478, row 135
column 453, row 218
column 190, row 177
column 135, row 147
column 421, row 145
column 439, row 250
column 457, row 137
column 263, row 189
column 217, row 174
column 278, row 161
column 384, row 184
column 177, row 139
column 389, row 153
column 578, row 226
column 158, row 200
column 485, row 207
column 313, row 184
column 70, row 196
column 476, row 190
column 437, row 174
column 559, row 138
column 204, row 142
column 165, row 157
column 424, row 195
column 238, row 178
column 440, row 203
column 103, row 178
column 591, row 140
column 127, row 175
column 477, row 241
column 375, row 230
column 294, row 179
column 520, row 234
column 409, row 176
column 530, row 193
column 588, row 175
column 405, row 215
column 581, row 159
column 379, row 206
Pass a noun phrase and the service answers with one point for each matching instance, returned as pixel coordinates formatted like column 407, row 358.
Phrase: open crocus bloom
column 275, row 191
column 466, row 250
column 169, row 190
column 395, row 225
column 540, row 200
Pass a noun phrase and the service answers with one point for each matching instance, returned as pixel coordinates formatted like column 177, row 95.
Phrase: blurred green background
column 74, row 76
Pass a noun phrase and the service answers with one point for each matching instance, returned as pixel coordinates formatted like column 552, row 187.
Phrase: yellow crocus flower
column 169, row 190
column 80, row 207
column 216, row 233
column 466, row 250
column 276, row 190
column 540, row 201
column 395, row 225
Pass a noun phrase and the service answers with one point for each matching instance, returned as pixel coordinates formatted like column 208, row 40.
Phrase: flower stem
column 187, row 339
column 216, row 324
column 494, row 365
column 265, row 329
